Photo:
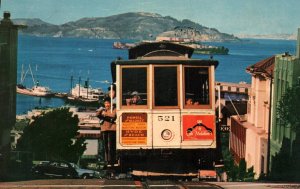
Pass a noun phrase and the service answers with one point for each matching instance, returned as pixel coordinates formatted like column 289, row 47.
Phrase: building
column 89, row 129
column 259, row 138
column 259, row 116
column 249, row 137
column 231, row 108
column 286, row 75
column 237, row 140
column 8, row 76
column 233, row 100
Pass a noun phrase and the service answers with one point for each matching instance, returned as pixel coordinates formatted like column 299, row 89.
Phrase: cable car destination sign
column 134, row 129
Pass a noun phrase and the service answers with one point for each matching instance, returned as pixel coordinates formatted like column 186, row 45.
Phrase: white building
column 89, row 129
column 259, row 117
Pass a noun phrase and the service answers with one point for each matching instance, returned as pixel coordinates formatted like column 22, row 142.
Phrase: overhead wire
column 68, row 78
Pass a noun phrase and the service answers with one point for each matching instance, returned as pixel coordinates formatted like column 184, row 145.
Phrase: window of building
column 134, row 86
column 165, row 86
column 262, row 164
column 196, row 85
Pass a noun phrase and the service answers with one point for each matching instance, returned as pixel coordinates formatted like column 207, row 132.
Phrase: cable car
column 166, row 120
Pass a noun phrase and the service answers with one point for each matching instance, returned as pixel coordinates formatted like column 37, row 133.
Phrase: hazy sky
column 229, row 16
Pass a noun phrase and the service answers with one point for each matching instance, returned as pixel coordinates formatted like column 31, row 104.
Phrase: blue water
column 55, row 60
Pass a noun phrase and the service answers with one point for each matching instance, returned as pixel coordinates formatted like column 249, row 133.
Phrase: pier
column 240, row 90
column 60, row 95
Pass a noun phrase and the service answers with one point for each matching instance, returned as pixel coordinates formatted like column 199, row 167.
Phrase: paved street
column 102, row 183
column 98, row 183
column 251, row 185
column 54, row 183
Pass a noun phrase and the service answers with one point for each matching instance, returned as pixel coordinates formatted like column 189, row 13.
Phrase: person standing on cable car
column 108, row 130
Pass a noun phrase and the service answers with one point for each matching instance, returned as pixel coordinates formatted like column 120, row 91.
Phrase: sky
column 228, row 16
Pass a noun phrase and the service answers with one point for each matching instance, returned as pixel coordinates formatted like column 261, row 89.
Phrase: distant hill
column 270, row 36
column 37, row 27
column 125, row 26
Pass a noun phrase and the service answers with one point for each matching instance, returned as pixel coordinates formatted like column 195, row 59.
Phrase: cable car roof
column 144, row 49
column 161, row 53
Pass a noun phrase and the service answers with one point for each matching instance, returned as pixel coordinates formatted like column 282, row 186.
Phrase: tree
column 288, row 109
column 52, row 135
column 286, row 164
column 242, row 169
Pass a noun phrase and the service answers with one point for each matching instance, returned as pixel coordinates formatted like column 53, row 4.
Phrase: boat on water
column 85, row 94
column 198, row 47
column 207, row 49
column 36, row 90
column 120, row 45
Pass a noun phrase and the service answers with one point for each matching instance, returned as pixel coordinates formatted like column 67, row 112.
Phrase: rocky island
column 138, row 26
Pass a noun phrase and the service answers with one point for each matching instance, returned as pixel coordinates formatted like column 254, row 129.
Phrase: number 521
column 166, row 118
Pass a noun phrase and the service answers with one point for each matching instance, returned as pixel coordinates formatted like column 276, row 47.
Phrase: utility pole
column 71, row 84
column 8, row 82
column 87, row 88
column 79, row 83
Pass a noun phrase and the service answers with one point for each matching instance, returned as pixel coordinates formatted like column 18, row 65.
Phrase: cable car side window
column 134, row 86
column 197, row 87
column 165, row 86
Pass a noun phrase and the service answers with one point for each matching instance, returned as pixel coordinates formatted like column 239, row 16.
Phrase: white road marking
column 161, row 185
column 46, row 186
column 260, row 184
column 62, row 186
column 119, row 186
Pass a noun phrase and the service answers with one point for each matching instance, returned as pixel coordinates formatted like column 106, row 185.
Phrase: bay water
column 55, row 60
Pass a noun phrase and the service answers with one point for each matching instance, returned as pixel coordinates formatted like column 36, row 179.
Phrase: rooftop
column 263, row 67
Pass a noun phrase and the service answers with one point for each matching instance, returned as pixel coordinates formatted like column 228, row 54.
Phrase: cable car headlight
column 166, row 134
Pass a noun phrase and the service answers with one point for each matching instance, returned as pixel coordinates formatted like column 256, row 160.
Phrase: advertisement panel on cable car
column 198, row 127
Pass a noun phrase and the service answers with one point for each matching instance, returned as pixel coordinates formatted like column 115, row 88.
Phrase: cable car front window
column 165, row 86
column 134, row 86
column 196, row 86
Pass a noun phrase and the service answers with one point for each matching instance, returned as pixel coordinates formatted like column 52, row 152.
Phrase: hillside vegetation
column 125, row 26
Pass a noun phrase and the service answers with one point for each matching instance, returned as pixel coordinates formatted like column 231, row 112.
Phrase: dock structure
column 233, row 101
column 60, row 95
column 227, row 88
column 234, row 88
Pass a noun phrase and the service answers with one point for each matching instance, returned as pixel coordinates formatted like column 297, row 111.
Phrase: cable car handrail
column 171, row 53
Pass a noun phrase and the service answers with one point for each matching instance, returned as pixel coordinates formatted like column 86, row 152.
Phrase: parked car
column 85, row 173
column 55, row 169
